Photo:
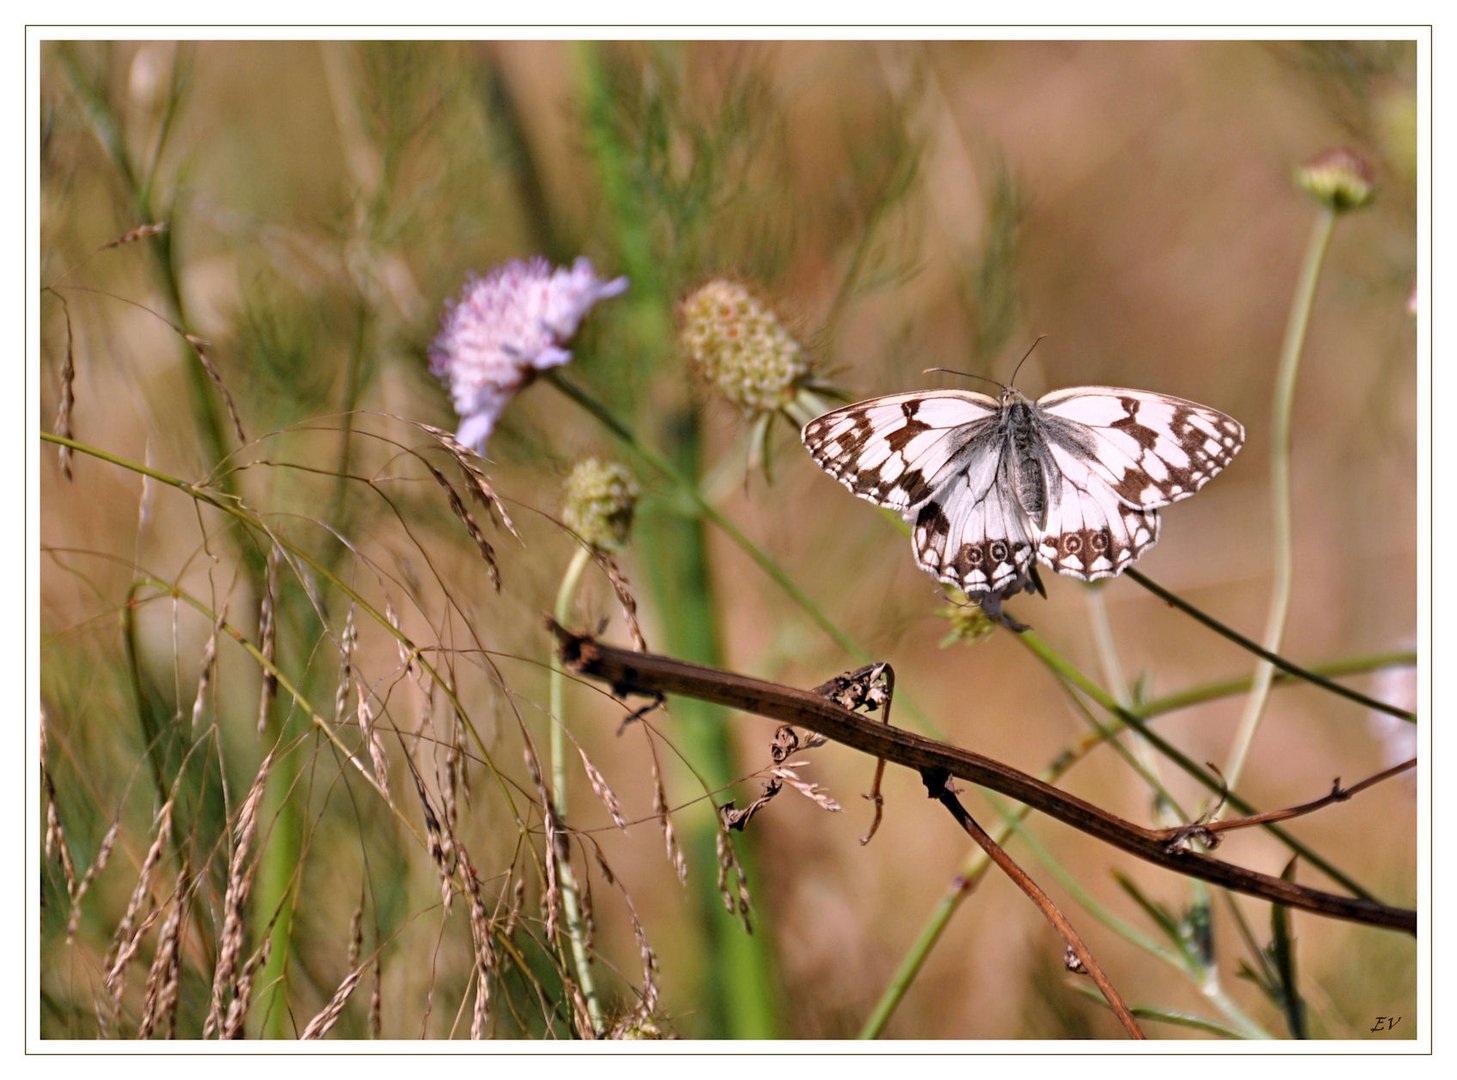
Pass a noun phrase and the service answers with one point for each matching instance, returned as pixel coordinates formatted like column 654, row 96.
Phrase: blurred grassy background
column 903, row 205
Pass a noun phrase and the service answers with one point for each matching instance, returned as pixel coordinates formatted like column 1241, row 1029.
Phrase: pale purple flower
column 504, row 328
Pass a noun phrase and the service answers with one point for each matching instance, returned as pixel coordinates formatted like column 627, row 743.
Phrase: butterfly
column 1074, row 479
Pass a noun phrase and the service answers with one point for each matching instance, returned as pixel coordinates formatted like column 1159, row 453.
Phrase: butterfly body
column 1073, row 478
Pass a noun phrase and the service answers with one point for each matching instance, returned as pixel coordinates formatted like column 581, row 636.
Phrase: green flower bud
column 600, row 499
column 739, row 346
column 1339, row 178
column 968, row 623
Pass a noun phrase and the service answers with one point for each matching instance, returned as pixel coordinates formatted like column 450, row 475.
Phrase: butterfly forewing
column 1151, row 449
column 897, row 450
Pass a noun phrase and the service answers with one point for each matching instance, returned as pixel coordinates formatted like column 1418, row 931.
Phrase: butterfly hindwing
column 897, row 450
column 1090, row 532
column 975, row 535
column 1151, row 449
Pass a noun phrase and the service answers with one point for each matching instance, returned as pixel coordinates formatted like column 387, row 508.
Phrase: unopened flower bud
column 1339, row 178
column 600, row 499
column 739, row 346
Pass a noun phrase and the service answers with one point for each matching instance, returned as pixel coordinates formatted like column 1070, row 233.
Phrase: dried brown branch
column 938, row 784
column 650, row 675
column 1208, row 832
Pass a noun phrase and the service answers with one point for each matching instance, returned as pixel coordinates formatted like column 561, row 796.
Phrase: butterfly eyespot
column 1099, row 542
column 973, row 555
column 999, row 551
column 1072, row 544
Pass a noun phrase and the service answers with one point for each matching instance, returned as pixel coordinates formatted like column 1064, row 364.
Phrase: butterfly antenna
column 963, row 374
column 1024, row 358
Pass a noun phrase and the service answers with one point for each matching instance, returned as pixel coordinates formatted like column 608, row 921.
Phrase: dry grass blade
column 268, row 635
column 406, row 660
column 810, row 791
column 238, row 1007
column 665, row 821
column 68, row 389
column 319, row 1026
column 160, row 1003
column 131, row 236
column 348, row 638
column 556, row 841
column 475, row 478
column 625, row 599
column 209, row 663
column 442, row 852
column 603, row 791
column 56, row 834
column 461, row 511
column 370, row 731
column 484, row 953
column 375, row 1000
column 733, row 884
column 125, row 939
column 199, row 349
column 226, row 983
column 98, row 864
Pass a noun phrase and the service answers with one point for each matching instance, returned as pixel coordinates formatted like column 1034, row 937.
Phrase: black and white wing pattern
column 897, row 450
column 1151, row 449
column 938, row 458
column 1074, row 478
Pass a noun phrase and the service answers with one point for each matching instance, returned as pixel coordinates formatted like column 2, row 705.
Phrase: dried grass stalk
column 268, row 635
column 226, row 983
column 733, row 885
column 160, row 1003
column 603, row 791
column 319, row 1026
column 625, row 599
column 128, row 936
column 200, row 350
column 98, row 864
column 68, row 389
column 204, row 679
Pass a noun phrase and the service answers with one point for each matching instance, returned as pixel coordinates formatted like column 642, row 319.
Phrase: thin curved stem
column 576, row 930
column 1276, row 659
column 1280, row 440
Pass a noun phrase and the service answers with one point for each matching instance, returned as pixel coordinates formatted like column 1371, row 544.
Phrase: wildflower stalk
column 576, row 930
column 739, row 973
column 1280, row 441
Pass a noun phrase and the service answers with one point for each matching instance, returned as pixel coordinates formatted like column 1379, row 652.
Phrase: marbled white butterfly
column 1074, row 478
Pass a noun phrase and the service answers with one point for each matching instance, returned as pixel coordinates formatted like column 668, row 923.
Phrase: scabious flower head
column 740, row 347
column 1339, row 178
column 600, row 499
column 506, row 327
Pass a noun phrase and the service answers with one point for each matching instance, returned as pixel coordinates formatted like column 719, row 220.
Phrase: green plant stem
column 1276, row 659
column 740, row 984
column 1075, row 677
column 1280, row 445
column 1198, row 695
column 576, row 931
